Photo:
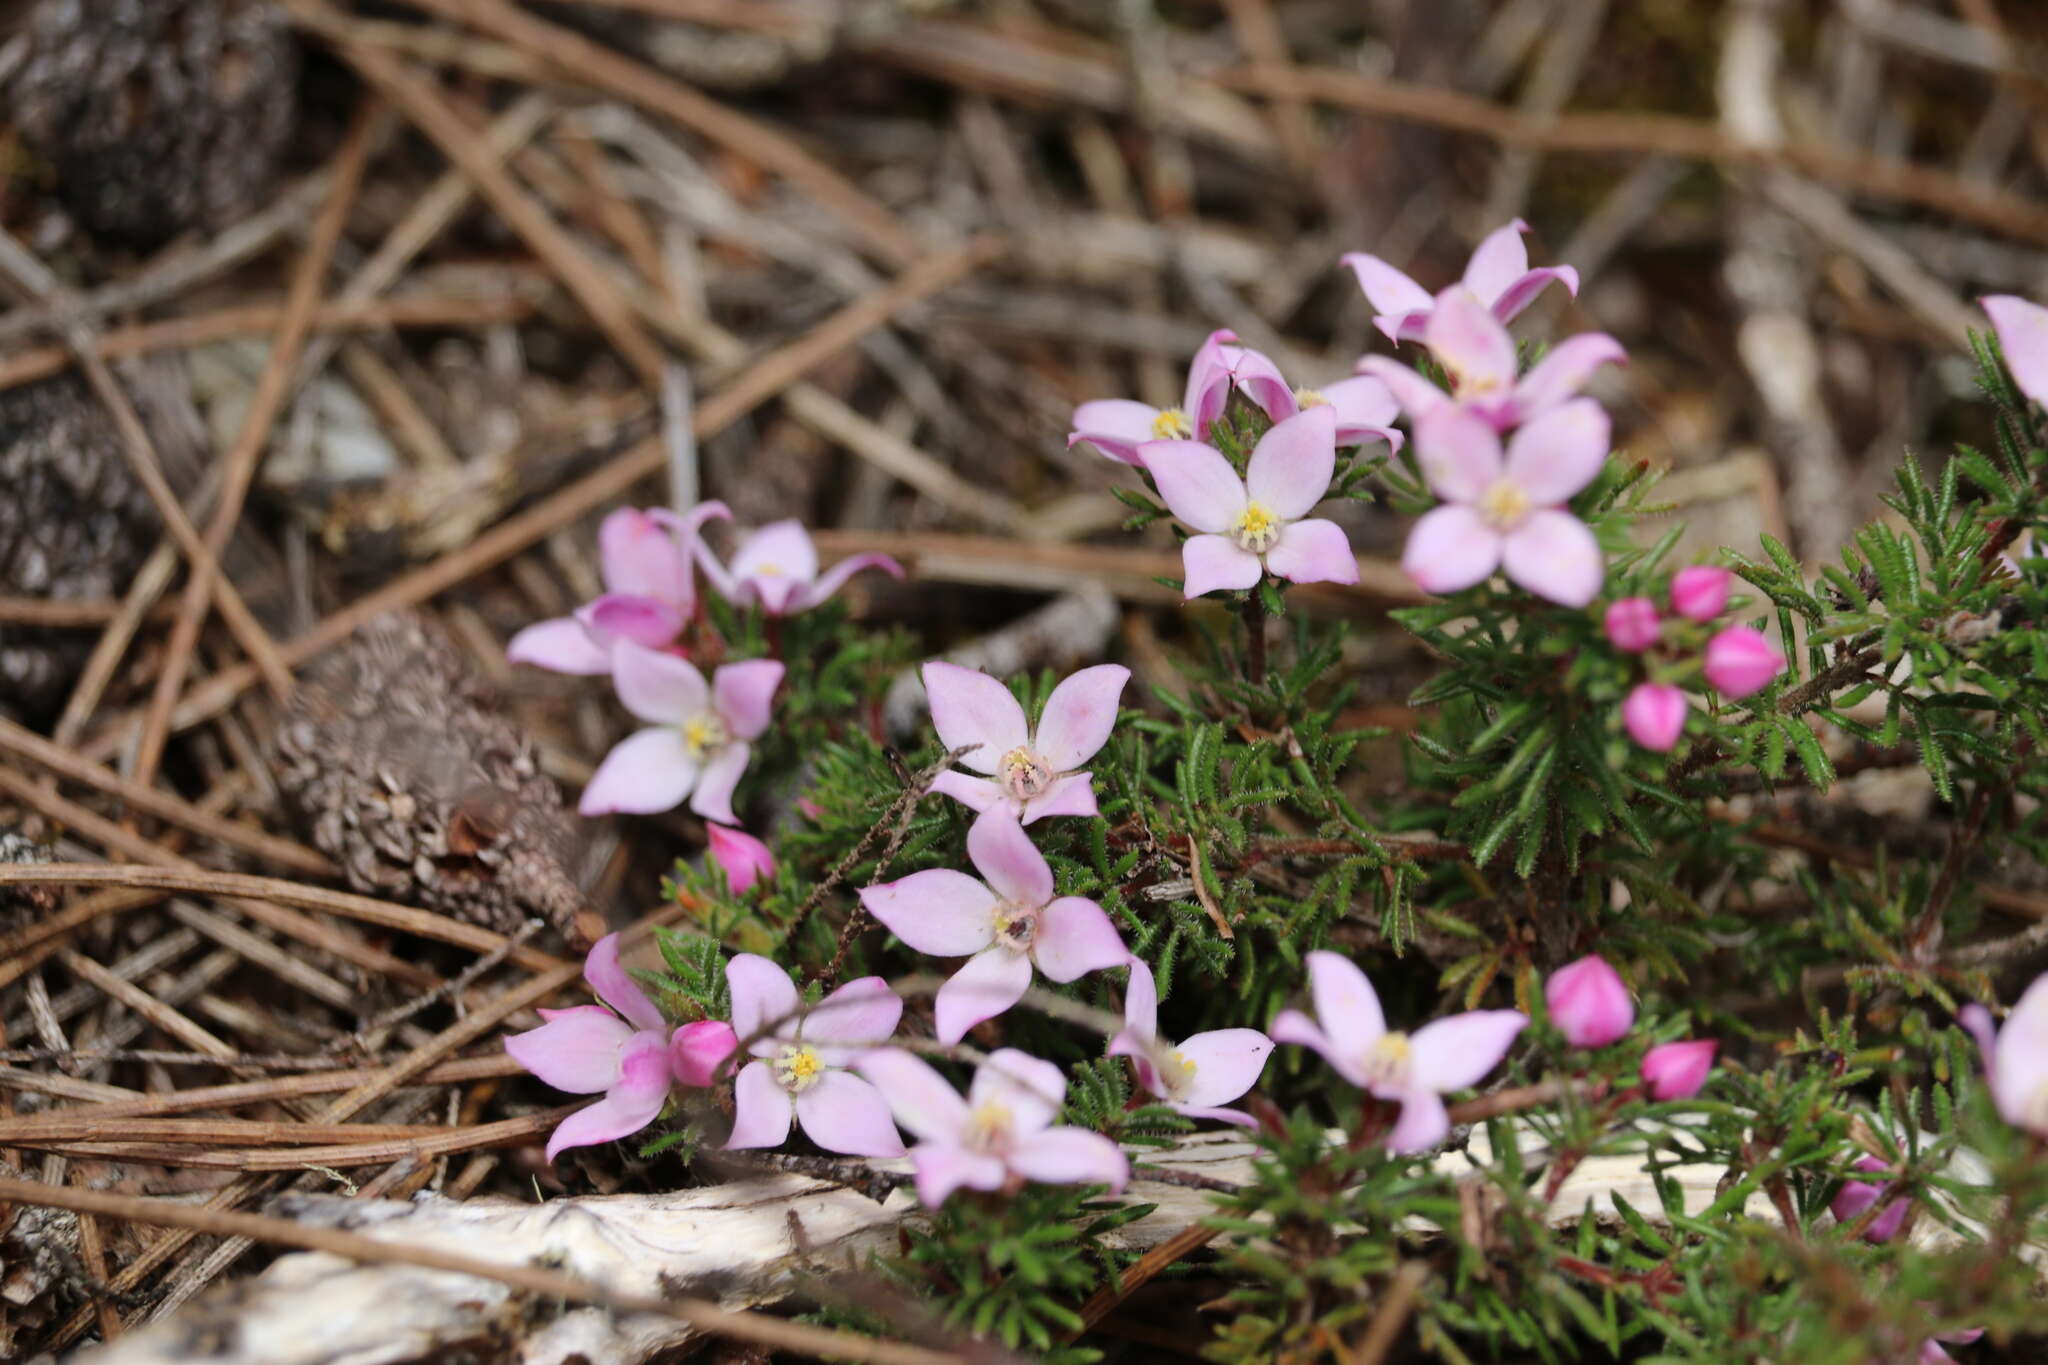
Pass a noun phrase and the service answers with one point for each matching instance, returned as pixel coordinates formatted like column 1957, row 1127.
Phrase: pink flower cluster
column 1736, row 660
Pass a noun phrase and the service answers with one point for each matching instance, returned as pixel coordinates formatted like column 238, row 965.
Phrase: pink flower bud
column 1632, row 623
column 696, row 1050
column 1655, row 715
column 1676, row 1071
column 1700, row 592
column 1740, row 660
column 746, row 860
column 1589, row 1003
column 1857, row 1195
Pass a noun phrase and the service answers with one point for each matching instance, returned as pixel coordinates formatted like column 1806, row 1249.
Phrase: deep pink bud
column 1740, row 660
column 1676, row 1071
column 1857, row 1195
column 1700, row 592
column 1655, row 715
column 1632, row 623
column 696, row 1050
column 1589, row 1003
column 746, row 860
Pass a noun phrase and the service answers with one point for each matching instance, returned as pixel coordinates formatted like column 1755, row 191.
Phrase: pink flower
column 1509, row 513
column 650, row 593
column 1478, row 356
column 1001, row 1132
column 1700, row 592
column 801, row 1058
column 744, row 858
column 2023, row 336
column 777, row 566
column 1417, row 1069
column 1364, row 406
column 1118, row 426
column 626, row 1055
column 1205, row 1070
column 698, row 1050
column 1739, row 661
column 1632, row 623
column 1589, row 1003
column 2016, row 1057
column 1031, row 771
column 1008, row 922
column 697, row 742
column 1498, row 275
column 1255, row 524
column 1857, row 1195
column 1654, row 714
column 1676, row 1071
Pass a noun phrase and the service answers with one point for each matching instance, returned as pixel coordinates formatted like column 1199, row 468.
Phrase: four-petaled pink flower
column 1002, row 1131
column 2023, row 335
column 1498, row 275
column 1509, row 512
column 1196, row 1075
column 800, row 1061
column 743, row 858
column 1678, row 1071
column 1031, row 771
column 650, row 593
column 2016, row 1057
column 697, row 743
column 1478, row 357
column 1416, row 1070
column 1260, row 522
column 629, row 1055
column 1008, row 922
column 777, row 566
column 1858, row 1194
column 1118, row 426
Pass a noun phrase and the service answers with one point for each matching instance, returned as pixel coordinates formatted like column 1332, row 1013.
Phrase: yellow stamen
column 702, row 734
column 1172, row 425
column 798, row 1068
column 1504, row 506
column 1310, row 398
column 1386, row 1061
column 1256, row 529
column 988, row 1126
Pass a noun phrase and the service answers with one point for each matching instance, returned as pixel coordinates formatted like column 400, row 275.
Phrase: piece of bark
column 403, row 772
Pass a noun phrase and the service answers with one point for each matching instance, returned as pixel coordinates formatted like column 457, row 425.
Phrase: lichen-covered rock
column 159, row 116
column 404, row 774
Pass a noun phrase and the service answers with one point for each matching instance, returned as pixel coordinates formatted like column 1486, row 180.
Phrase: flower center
column 1310, row 398
column 768, row 570
column 1025, row 774
column 1177, row 1073
column 702, row 734
column 797, row 1068
column 1172, row 425
column 1504, row 506
column 1256, row 529
column 1470, row 386
column 1016, row 927
column 988, row 1127
column 1386, row 1061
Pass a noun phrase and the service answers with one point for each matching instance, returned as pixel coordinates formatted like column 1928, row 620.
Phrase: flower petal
column 628, row 1107
column 852, row 1019
column 1554, row 555
column 722, row 772
column 1031, row 1089
column 1260, row 380
column 2023, row 337
column 744, row 859
column 975, row 793
column 942, row 1169
column 1557, row 454
column 1227, row 1062
column 1523, row 292
column 616, row 987
column 656, row 686
column 1563, row 371
column 1417, row 396
column 1450, row 549
column 1141, row 1003
column 1073, row 794
column 843, row 1113
column 781, row 549
column 1079, row 715
column 743, row 694
column 937, row 911
column 991, row 981
column 1008, row 861
column 1196, row 483
column 1453, row 1053
column 1471, row 345
column 1459, row 454
column 1390, row 291
column 1313, row 551
column 576, row 1050
column 1217, row 562
column 764, row 1000
column 1208, row 386
column 1362, row 401
column 916, row 1094
column 1116, row 427
column 1291, row 465
column 1071, row 1156
column 1347, row 1007
column 1203, row 1111
column 2022, row 1059
column 696, row 1051
column 970, row 707
column 1498, row 261
column 1422, row 1125
column 619, row 616
column 1292, row 1026
column 638, row 557
column 761, row 1109
column 561, row 646
column 645, row 773
column 1075, row 936
column 834, row 578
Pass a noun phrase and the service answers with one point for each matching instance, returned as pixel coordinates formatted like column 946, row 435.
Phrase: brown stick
column 239, row 1093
